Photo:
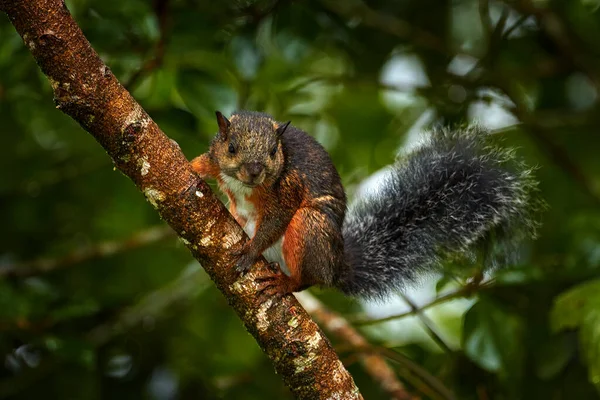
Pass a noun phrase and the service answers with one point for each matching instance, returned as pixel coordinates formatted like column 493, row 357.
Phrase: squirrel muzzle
column 252, row 173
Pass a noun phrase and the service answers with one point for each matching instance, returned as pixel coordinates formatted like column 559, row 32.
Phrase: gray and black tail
column 446, row 198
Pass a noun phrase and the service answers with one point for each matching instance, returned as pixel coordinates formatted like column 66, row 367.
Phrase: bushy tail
column 444, row 198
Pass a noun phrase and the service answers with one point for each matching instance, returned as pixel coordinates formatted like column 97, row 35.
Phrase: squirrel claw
column 242, row 267
column 273, row 284
column 244, row 262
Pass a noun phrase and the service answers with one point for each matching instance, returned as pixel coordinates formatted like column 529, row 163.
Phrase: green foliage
column 493, row 338
column 144, row 321
column 579, row 308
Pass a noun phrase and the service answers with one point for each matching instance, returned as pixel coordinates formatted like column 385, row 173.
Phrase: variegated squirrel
column 444, row 198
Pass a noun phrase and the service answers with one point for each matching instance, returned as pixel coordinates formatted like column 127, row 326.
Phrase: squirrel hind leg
column 275, row 283
column 312, row 248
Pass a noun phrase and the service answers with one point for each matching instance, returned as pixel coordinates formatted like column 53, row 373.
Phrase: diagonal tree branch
column 85, row 89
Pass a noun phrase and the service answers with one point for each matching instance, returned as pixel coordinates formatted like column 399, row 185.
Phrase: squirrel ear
column 281, row 128
column 223, row 125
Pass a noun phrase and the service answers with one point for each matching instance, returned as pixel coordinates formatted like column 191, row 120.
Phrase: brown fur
column 286, row 198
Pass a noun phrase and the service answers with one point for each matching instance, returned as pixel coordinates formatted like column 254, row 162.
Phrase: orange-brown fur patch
column 205, row 167
column 293, row 248
column 259, row 201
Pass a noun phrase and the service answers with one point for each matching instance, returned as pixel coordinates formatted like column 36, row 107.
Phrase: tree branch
column 373, row 363
column 85, row 89
column 427, row 324
column 98, row 250
column 420, row 378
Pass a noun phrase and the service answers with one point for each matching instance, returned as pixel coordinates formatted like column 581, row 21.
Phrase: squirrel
column 444, row 198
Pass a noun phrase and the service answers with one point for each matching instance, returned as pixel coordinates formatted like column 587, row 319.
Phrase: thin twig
column 556, row 152
column 259, row 15
column 99, row 250
column 558, row 31
column 433, row 387
column 421, row 372
column 498, row 34
column 464, row 292
column 427, row 323
column 494, row 37
column 188, row 285
column 161, row 12
column 387, row 23
column 75, row 169
column 484, row 15
column 338, row 326
column 515, row 26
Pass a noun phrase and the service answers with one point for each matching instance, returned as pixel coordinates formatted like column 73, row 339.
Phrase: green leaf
column 492, row 338
column 572, row 306
column 553, row 355
column 579, row 307
column 589, row 336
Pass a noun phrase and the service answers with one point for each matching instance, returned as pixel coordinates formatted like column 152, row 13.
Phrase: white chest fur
column 246, row 209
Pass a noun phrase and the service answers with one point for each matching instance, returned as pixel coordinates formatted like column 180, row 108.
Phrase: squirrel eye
column 231, row 149
column 273, row 151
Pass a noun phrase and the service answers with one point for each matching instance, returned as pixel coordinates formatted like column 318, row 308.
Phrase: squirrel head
column 248, row 147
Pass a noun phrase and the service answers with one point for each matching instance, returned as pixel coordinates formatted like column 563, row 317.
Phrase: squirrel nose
column 254, row 169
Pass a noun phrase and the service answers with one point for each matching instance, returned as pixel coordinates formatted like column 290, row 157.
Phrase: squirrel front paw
column 244, row 261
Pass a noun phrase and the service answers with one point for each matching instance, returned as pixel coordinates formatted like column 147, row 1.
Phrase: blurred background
column 98, row 299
